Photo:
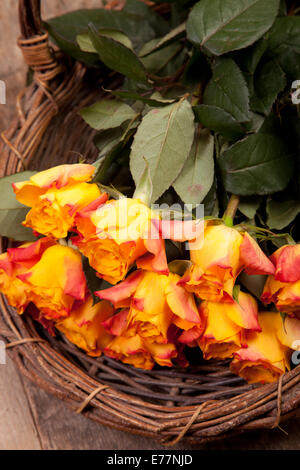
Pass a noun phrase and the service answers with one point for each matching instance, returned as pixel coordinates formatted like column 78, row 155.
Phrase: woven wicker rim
column 205, row 402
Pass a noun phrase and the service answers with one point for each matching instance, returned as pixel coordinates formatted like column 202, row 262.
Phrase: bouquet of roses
column 183, row 234
column 151, row 309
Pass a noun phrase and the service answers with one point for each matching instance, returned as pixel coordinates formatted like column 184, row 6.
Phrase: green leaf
column 156, row 61
column 284, row 44
column 259, row 164
column 164, row 138
column 269, row 81
column 85, row 43
column 250, row 58
column 144, row 189
column 236, row 293
column 179, row 266
column 111, row 191
column 8, row 198
column 107, row 114
column 197, row 175
column 118, row 57
column 156, row 21
column 249, row 205
column 11, row 224
column 226, row 25
column 165, row 41
column 107, row 139
column 12, row 212
column 103, row 174
column 281, row 214
column 210, row 202
column 218, row 120
column 131, row 95
column 64, row 29
column 228, row 90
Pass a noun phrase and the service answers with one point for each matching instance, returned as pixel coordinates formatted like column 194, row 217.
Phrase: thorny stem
column 231, row 209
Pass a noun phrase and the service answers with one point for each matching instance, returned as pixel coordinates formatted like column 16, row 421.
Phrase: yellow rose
column 130, row 350
column 116, row 235
column 155, row 302
column 222, row 254
column 14, row 263
column 226, row 324
column 83, row 327
column 56, row 281
column 55, row 196
column 283, row 288
column 264, row 358
column 130, row 347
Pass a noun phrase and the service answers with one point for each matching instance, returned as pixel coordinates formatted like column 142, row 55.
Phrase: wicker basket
column 204, row 402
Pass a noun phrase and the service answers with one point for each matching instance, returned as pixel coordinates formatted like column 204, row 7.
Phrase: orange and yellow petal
column 252, row 258
column 83, row 327
column 155, row 259
column 215, row 264
column 243, row 312
column 117, row 324
column 181, row 302
column 220, row 249
column 222, row 337
column 56, row 281
column 122, row 291
column 28, row 192
column 285, row 295
column 161, row 353
column 287, row 262
column 17, row 262
column 265, row 358
column 130, row 350
column 54, row 212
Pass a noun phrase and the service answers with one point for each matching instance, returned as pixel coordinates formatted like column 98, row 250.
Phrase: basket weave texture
column 204, row 402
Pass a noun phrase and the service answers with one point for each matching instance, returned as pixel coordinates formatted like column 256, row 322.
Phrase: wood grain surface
column 29, row 417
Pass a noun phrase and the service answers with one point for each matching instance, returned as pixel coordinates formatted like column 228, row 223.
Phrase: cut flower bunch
column 198, row 113
column 150, row 312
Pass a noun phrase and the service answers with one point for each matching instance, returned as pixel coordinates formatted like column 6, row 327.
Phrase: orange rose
column 226, row 324
column 55, row 282
column 116, row 234
column 121, row 232
column 155, row 301
column 283, row 288
column 222, row 254
column 55, row 196
column 264, row 358
column 84, row 326
column 132, row 348
column 14, row 263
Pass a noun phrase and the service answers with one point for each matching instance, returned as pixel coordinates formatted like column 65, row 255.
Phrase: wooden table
column 29, row 417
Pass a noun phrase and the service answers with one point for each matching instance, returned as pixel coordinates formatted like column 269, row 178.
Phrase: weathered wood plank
column 61, row 429
column 17, row 428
